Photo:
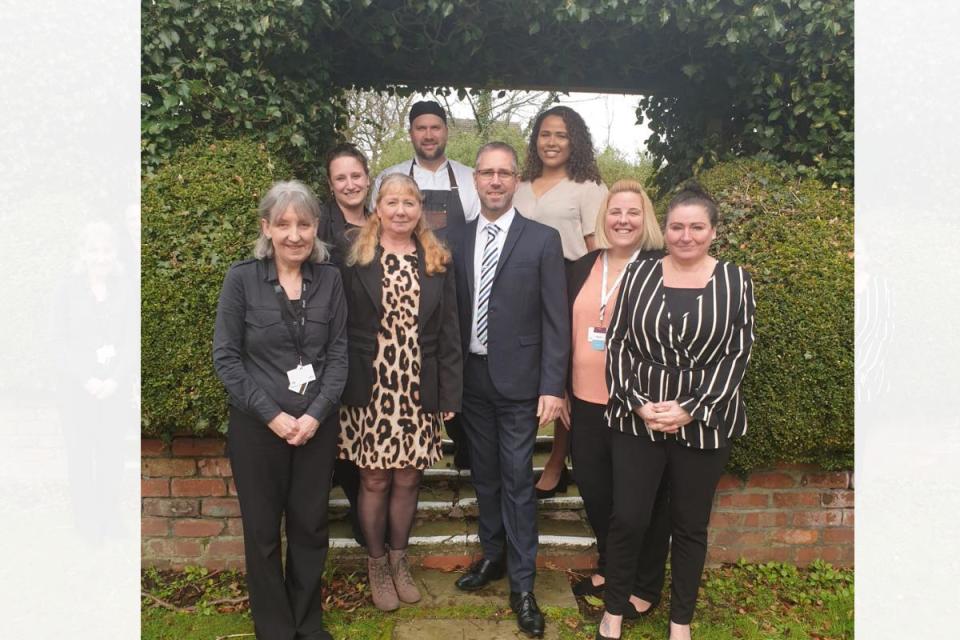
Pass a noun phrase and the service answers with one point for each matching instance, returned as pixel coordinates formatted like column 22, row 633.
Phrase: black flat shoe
column 633, row 614
column 480, row 574
column 529, row 618
column 600, row 636
column 561, row 487
column 585, row 587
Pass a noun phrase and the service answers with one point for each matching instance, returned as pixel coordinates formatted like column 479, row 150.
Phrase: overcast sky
column 611, row 118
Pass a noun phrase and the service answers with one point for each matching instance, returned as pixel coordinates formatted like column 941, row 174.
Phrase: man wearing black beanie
column 450, row 197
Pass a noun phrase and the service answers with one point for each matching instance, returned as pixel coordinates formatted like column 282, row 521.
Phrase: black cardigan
column 441, row 361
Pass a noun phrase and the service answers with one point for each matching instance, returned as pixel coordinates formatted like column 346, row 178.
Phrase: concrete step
column 442, row 499
column 446, row 536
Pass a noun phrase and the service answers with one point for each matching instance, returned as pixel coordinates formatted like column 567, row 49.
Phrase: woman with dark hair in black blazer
column 626, row 230
column 679, row 344
column 405, row 373
column 348, row 176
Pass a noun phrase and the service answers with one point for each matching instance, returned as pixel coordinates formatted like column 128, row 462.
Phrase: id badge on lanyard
column 302, row 375
column 597, row 335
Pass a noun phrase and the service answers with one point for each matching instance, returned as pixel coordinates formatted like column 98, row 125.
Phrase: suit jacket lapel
column 516, row 228
column 469, row 246
column 429, row 288
column 371, row 277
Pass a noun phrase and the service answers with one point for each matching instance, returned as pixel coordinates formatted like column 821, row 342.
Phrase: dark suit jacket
column 528, row 323
column 441, row 364
column 577, row 273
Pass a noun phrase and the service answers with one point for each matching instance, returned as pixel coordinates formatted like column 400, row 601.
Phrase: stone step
column 442, row 499
column 448, row 537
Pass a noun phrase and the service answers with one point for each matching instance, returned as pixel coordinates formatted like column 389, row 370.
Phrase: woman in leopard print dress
column 405, row 373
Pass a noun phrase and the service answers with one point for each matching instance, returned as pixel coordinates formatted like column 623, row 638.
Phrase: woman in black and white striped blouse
column 678, row 347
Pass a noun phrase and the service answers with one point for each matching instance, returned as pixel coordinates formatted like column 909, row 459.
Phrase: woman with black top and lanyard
column 627, row 230
column 678, row 348
column 280, row 349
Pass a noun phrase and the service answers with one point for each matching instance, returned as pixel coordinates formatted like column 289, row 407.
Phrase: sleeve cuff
column 320, row 408
column 698, row 411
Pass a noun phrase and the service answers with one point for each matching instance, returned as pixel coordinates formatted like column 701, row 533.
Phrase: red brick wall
column 796, row 514
column 791, row 514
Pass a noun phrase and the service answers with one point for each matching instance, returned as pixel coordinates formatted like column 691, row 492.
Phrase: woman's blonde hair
column 364, row 247
column 652, row 236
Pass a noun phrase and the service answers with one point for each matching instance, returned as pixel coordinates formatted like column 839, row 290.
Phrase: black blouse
column 253, row 347
column 699, row 362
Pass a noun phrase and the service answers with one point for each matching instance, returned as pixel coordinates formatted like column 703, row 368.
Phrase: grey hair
column 496, row 145
column 280, row 197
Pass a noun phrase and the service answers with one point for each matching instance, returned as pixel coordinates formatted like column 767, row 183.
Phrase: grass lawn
column 737, row 602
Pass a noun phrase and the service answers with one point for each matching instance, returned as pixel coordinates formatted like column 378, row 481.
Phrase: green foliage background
column 722, row 78
column 794, row 235
column 199, row 216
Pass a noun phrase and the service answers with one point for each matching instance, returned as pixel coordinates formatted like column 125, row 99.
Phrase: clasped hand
column 296, row 431
column 666, row 417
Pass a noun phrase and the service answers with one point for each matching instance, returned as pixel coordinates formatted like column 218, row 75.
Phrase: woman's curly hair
column 582, row 165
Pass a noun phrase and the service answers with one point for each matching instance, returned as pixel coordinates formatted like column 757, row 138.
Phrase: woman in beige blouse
column 561, row 187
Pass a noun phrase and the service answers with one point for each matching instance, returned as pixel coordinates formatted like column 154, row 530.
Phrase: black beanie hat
column 427, row 107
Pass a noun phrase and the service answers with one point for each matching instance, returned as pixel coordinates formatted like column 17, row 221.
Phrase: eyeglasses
column 503, row 174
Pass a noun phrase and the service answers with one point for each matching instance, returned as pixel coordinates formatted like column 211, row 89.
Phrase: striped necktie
column 488, row 266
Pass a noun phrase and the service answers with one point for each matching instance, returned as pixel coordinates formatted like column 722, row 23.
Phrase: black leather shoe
column 480, row 574
column 529, row 618
column 563, row 482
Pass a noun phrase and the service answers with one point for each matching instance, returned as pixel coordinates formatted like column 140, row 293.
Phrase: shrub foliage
column 796, row 239
column 199, row 216
column 794, row 236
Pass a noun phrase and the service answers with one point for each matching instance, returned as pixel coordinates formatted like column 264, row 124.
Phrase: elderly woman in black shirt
column 280, row 349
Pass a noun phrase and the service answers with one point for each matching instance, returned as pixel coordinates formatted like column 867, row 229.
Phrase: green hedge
column 199, row 216
column 796, row 239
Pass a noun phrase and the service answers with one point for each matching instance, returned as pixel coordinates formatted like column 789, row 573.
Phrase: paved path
column 437, row 587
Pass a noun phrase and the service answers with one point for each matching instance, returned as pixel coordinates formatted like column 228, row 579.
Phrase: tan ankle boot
column 381, row 584
column 402, row 578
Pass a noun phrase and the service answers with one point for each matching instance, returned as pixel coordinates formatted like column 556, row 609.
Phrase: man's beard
column 437, row 153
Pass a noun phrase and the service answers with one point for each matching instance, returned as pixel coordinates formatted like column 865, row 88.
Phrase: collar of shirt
column 503, row 223
column 442, row 167
column 306, row 270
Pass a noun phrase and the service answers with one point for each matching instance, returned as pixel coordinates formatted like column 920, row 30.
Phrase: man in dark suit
column 512, row 298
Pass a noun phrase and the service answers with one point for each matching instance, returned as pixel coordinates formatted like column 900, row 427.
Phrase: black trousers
column 639, row 467
column 502, row 436
column 275, row 480
column 592, row 454
column 347, row 475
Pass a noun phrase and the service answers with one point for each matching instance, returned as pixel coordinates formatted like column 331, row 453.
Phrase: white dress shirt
column 503, row 222
column 438, row 180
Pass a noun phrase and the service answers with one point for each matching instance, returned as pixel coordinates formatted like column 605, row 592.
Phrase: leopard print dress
column 393, row 431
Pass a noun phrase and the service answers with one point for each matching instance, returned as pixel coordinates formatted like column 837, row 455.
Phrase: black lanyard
column 294, row 326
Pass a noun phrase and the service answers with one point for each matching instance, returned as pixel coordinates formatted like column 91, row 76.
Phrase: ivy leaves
column 720, row 77
column 238, row 68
